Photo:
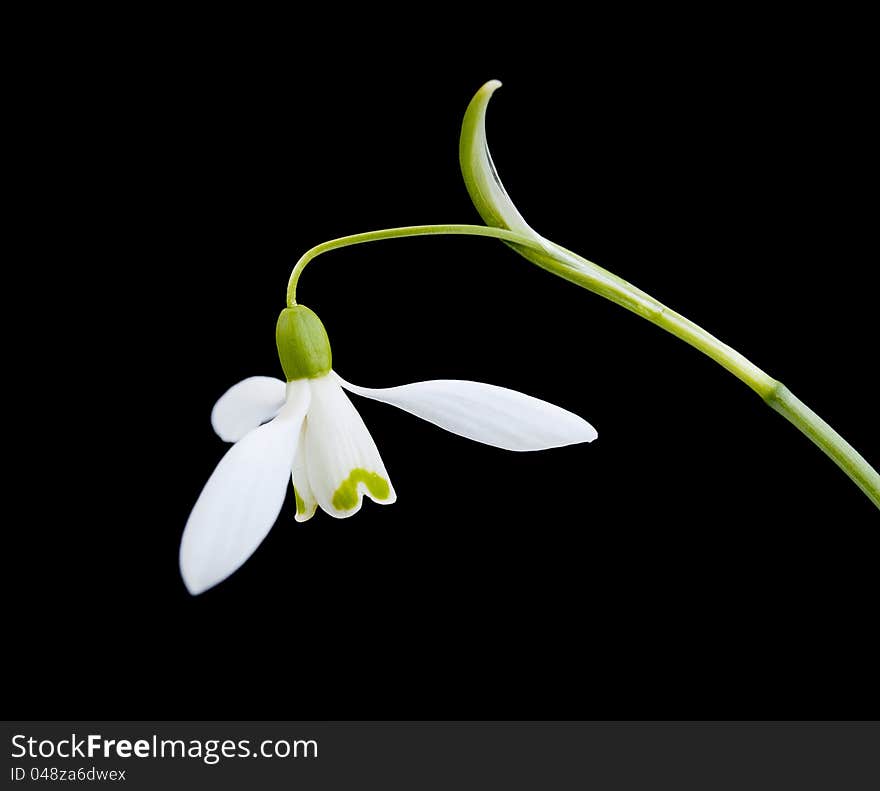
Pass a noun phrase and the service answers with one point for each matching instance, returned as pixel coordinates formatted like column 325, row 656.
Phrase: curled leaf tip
column 480, row 177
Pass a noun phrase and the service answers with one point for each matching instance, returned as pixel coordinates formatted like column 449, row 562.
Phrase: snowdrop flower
column 309, row 430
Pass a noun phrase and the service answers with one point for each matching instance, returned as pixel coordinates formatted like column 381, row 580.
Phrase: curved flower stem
column 588, row 275
column 401, row 233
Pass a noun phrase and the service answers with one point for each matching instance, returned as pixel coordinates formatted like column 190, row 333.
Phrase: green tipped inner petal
column 300, row 505
column 346, row 496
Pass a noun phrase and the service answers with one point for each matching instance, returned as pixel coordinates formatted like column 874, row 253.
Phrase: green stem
column 600, row 281
column 588, row 275
column 401, row 233
column 836, row 447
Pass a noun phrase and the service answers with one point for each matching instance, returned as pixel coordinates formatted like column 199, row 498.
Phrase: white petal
column 244, row 406
column 343, row 462
column 306, row 504
column 485, row 413
column 242, row 498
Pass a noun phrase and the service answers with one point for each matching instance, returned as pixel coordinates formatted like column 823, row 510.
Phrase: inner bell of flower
column 303, row 345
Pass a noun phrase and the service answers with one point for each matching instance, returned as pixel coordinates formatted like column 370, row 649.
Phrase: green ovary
column 346, row 496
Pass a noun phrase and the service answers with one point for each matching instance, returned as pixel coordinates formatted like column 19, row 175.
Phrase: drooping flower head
column 307, row 429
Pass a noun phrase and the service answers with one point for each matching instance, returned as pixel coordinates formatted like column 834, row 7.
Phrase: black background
column 700, row 560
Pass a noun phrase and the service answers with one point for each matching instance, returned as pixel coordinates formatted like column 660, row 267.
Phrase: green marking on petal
column 300, row 503
column 346, row 496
